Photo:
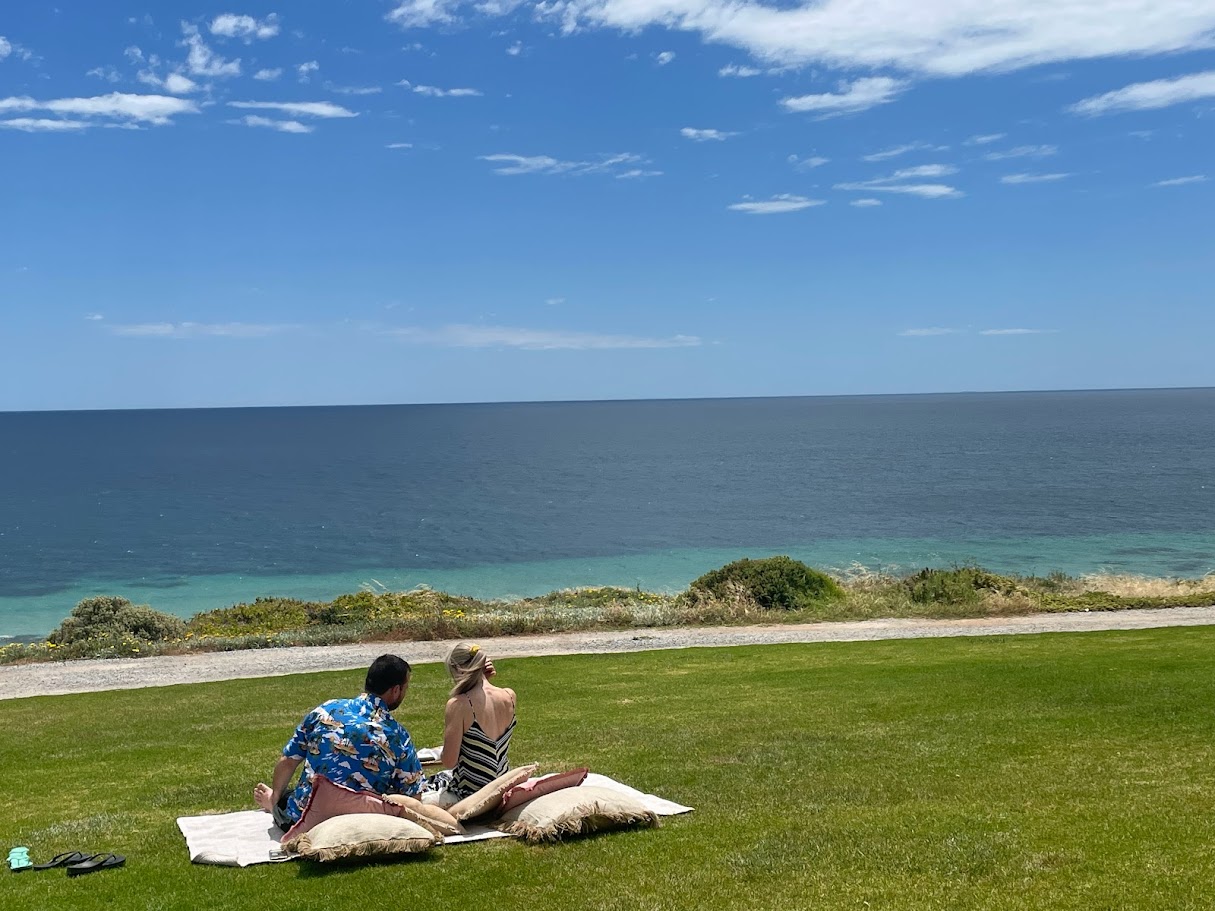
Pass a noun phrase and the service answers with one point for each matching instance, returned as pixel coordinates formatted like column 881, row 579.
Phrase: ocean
column 191, row 510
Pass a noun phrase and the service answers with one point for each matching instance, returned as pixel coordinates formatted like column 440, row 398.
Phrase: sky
column 388, row 201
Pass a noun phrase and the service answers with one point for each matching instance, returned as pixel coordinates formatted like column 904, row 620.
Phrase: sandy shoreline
column 58, row 678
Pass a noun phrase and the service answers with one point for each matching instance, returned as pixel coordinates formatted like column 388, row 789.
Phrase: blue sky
column 435, row 200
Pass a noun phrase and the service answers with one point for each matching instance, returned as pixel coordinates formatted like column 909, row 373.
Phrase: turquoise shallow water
column 668, row 571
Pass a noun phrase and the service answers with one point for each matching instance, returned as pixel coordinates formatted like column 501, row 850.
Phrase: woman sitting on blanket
column 477, row 726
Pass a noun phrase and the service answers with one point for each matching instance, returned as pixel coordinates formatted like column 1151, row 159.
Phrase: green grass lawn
column 1062, row 771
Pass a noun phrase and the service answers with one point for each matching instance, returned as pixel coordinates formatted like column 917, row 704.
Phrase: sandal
column 62, row 860
column 96, row 862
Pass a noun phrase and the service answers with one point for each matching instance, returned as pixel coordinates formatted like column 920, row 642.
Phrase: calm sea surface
column 190, row 510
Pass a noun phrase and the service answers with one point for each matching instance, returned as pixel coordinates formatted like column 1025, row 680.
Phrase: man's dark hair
column 386, row 672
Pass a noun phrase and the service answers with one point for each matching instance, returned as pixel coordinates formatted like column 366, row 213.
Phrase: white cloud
column 896, row 151
column 353, row 89
column 154, row 109
column 94, row 316
column 1032, row 178
column 1017, row 331
column 201, row 60
column 304, row 71
column 107, row 73
column 399, row 145
column 637, row 174
column 44, row 125
column 930, row 331
column 1143, row 96
column 1181, row 181
column 923, row 190
column 283, row 126
column 200, row 330
column 298, row 108
column 510, row 165
column 1042, row 151
column 705, row 135
column 421, row 13
column 807, row 164
column 6, row 47
column 664, row 58
column 924, row 170
column 985, row 139
column 178, row 84
column 739, row 72
column 431, row 91
column 268, row 75
column 935, row 37
column 852, row 97
column 865, row 203
column 777, row 205
column 229, row 25
column 555, row 301
column 515, row 49
column 466, row 336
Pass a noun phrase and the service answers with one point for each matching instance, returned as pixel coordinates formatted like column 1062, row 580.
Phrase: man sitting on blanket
column 352, row 742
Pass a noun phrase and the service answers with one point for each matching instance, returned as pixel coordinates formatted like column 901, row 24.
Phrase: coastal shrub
column 264, row 615
column 960, row 585
column 115, row 618
column 775, row 583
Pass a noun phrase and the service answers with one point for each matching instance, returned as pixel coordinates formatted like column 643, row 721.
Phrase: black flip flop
column 96, row 862
column 62, row 860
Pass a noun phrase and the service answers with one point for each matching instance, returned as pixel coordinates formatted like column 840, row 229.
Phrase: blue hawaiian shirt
column 355, row 743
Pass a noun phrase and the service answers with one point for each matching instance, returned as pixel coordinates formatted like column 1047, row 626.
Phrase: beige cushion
column 433, row 818
column 361, row 835
column 575, row 811
column 490, row 797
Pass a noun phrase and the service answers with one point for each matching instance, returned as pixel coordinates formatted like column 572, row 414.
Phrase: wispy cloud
column 230, row 25
column 421, row 13
column 637, row 174
column 152, row 109
column 1040, row 151
column 105, row 73
column 930, row 331
column 11, row 48
column 201, row 60
column 985, row 139
column 662, row 59
column 268, row 75
column 1017, row 331
column 45, row 125
column 353, row 89
column 707, row 135
column 432, row 91
column 897, row 183
column 896, row 151
column 776, row 205
column 93, row 317
column 1181, row 181
column 510, row 165
column 865, row 203
column 326, row 109
column 283, row 126
column 399, row 145
column 808, row 163
column 923, row 170
column 1143, row 96
column 851, row 98
column 738, row 72
column 304, row 71
column 469, row 336
column 202, row 330
column 1032, row 178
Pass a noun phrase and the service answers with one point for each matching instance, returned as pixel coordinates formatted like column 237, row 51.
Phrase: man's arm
column 283, row 770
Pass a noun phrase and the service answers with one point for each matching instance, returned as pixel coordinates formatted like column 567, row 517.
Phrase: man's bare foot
column 264, row 797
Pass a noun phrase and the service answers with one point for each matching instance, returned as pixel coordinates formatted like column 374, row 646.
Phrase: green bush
column 775, row 583
column 109, row 617
column 264, row 615
column 960, row 585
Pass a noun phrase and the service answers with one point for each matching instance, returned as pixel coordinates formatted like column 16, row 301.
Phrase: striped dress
column 482, row 759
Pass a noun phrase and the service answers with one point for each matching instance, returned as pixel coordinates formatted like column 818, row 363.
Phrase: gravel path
column 55, row 678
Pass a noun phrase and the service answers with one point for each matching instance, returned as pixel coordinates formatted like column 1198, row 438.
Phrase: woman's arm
column 453, row 731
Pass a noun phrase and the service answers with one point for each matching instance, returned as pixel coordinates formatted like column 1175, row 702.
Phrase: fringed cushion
column 489, row 798
column 575, row 811
column 432, row 818
column 329, row 799
column 538, row 787
column 361, row 835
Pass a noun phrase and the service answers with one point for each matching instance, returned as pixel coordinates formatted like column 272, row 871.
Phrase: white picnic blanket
column 250, row 837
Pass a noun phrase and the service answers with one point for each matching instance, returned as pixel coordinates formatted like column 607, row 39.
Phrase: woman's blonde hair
column 466, row 664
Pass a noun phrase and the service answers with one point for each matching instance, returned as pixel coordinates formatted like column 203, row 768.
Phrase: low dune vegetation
column 768, row 590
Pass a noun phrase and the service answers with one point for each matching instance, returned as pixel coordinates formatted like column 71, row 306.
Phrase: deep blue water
column 194, row 509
